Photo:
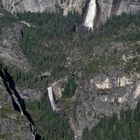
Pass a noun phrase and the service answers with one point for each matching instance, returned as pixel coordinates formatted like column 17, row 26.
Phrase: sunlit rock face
column 19, row 6
column 96, row 12
column 108, row 8
column 104, row 82
column 72, row 6
column 105, row 9
column 10, row 52
column 104, row 95
column 92, row 11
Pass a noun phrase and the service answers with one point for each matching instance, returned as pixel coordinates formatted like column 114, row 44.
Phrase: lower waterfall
column 50, row 94
column 91, row 13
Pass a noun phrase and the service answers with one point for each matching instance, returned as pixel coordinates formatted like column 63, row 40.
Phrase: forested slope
column 62, row 47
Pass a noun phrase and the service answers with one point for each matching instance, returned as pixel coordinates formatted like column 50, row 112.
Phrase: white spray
column 91, row 14
column 50, row 94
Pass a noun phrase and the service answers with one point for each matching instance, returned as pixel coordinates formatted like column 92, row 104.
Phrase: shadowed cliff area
column 106, row 64
column 17, row 101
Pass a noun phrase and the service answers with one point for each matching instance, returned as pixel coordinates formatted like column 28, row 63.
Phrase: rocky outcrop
column 104, row 95
column 13, row 125
column 10, row 51
column 104, row 9
column 30, row 94
column 108, row 8
column 18, row 102
column 19, row 6
column 54, row 92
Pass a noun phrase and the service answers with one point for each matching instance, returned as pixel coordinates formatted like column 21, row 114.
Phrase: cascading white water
column 50, row 93
column 91, row 13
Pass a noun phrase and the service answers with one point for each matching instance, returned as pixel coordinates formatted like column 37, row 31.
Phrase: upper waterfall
column 91, row 13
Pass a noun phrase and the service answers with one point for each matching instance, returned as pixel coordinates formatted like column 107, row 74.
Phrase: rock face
column 12, row 125
column 104, row 8
column 19, row 106
column 18, row 6
column 108, row 8
column 10, row 51
column 103, row 95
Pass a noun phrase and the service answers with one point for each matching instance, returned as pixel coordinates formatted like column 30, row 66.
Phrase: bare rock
column 10, row 51
column 104, row 95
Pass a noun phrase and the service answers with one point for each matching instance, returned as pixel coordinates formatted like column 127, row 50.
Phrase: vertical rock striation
column 20, row 6
column 18, row 102
column 103, row 95
column 108, row 8
column 102, row 9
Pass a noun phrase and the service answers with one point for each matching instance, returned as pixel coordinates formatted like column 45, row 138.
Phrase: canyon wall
column 20, row 6
column 108, row 8
column 104, row 8
column 103, row 95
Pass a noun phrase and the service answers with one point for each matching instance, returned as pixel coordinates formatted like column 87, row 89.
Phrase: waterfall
column 50, row 94
column 91, row 13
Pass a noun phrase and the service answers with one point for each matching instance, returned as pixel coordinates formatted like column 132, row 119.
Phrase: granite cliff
column 105, row 9
column 92, row 75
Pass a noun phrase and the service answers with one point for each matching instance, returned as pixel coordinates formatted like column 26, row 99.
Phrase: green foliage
column 7, row 20
column 133, row 61
column 70, row 87
column 50, row 41
column 3, row 136
column 133, row 65
column 136, row 49
column 45, row 45
column 121, row 28
column 30, row 79
column 126, row 128
column 51, row 125
column 55, row 24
